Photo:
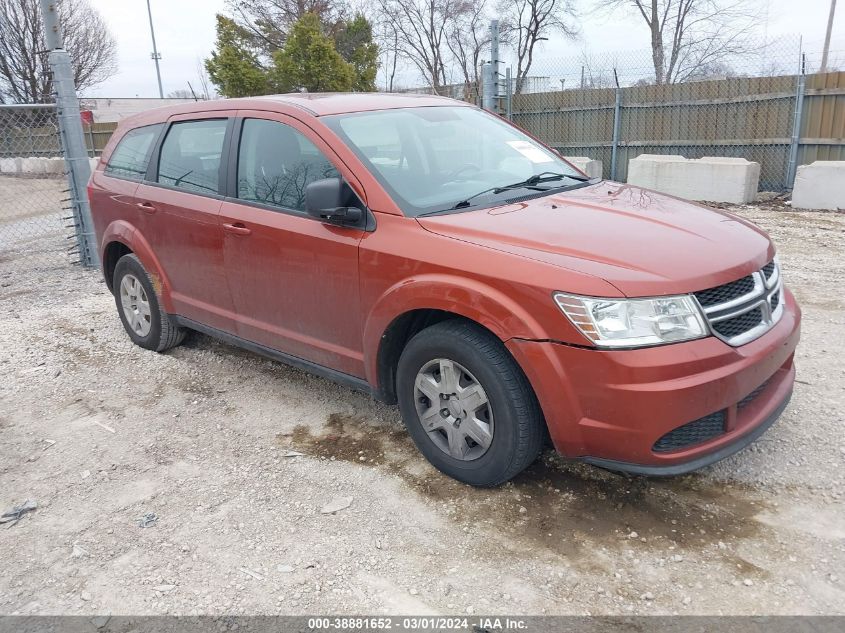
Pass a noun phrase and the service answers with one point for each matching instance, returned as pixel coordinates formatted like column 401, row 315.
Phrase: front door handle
column 146, row 207
column 237, row 228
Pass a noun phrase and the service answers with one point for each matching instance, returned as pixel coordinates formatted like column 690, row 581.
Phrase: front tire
column 467, row 405
column 143, row 318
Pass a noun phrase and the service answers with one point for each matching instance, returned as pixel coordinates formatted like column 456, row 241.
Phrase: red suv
column 431, row 254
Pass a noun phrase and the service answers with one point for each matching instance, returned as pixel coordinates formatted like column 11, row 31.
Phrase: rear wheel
column 467, row 405
column 143, row 318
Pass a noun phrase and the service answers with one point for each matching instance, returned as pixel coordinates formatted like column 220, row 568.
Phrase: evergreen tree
column 233, row 66
column 309, row 61
column 354, row 42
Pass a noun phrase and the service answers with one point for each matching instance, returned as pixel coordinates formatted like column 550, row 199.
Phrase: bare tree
column 206, row 89
column 421, row 30
column 467, row 37
column 182, row 93
column 597, row 73
column 24, row 72
column 388, row 43
column 527, row 22
column 688, row 37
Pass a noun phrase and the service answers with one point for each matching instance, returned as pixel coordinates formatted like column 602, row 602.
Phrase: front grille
column 695, row 432
column 747, row 399
column 739, row 324
column 741, row 310
column 769, row 268
column 725, row 293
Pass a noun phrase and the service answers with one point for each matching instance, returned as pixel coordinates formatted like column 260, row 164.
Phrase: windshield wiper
column 529, row 183
column 547, row 176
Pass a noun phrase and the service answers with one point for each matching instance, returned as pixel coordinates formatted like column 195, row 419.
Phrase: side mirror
column 326, row 199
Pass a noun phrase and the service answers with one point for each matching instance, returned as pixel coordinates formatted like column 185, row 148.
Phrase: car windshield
column 433, row 159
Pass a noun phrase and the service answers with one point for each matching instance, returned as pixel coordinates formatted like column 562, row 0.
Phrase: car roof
column 316, row 104
column 323, row 103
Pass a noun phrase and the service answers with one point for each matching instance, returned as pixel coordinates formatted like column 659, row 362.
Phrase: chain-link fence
column 759, row 105
column 34, row 227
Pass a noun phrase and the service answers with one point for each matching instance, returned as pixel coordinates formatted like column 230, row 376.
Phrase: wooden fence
column 751, row 117
column 31, row 138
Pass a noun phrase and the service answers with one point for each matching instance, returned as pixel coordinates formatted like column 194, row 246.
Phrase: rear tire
column 467, row 405
column 140, row 310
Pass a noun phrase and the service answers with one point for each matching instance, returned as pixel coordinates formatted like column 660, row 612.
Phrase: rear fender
column 123, row 232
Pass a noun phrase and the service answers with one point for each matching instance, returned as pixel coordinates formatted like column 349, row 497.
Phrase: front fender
column 469, row 298
column 123, row 232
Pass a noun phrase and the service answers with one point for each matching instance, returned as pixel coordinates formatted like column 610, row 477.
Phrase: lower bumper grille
column 750, row 397
column 702, row 429
column 696, row 432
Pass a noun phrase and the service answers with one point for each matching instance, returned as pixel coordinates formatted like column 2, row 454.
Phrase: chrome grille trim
column 758, row 298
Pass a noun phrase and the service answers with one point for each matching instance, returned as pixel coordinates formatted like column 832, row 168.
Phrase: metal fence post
column 792, row 164
column 71, row 134
column 508, row 94
column 488, row 98
column 617, row 111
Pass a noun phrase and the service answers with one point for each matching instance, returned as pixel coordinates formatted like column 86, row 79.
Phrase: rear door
column 113, row 189
column 181, row 197
column 293, row 279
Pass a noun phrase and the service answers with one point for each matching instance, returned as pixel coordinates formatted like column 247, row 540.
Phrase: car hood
column 643, row 242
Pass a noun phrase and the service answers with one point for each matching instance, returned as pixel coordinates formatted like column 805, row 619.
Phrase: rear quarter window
column 129, row 159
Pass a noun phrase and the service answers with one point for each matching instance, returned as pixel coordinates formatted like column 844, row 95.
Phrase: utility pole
column 823, row 68
column 155, row 54
column 70, row 134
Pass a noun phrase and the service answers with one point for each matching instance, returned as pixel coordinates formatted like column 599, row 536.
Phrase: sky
column 185, row 35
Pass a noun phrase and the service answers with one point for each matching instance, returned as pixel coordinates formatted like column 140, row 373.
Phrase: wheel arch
column 112, row 252
column 121, row 238
column 412, row 305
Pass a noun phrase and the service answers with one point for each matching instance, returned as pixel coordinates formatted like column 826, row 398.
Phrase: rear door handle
column 237, row 228
column 146, row 207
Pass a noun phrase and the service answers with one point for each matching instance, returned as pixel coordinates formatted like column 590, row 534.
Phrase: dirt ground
column 208, row 438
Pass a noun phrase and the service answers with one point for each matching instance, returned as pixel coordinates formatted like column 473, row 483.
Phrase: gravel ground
column 238, row 456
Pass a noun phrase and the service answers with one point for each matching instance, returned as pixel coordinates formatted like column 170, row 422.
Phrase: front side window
column 276, row 163
column 190, row 155
column 129, row 158
column 433, row 159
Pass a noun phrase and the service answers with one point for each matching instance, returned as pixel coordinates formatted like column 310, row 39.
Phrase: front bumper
column 609, row 408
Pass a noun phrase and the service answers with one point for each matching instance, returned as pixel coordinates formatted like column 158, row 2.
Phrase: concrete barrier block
column 54, row 165
column 94, row 162
column 32, row 165
column 10, row 165
column 593, row 168
column 712, row 178
column 820, row 185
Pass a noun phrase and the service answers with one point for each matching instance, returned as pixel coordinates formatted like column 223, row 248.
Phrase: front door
column 292, row 278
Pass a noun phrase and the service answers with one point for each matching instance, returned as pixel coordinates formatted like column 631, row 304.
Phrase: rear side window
column 129, row 158
column 190, row 155
column 276, row 163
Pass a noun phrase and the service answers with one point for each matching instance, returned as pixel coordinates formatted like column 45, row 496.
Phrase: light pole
column 826, row 50
column 155, row 54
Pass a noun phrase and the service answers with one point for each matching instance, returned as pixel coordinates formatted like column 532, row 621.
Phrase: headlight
column 634, row 322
